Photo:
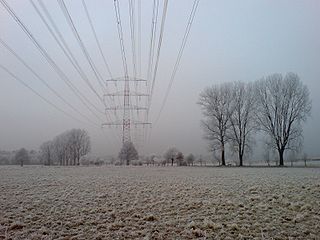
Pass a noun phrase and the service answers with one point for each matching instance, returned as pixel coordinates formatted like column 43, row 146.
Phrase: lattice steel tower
column 133, row 110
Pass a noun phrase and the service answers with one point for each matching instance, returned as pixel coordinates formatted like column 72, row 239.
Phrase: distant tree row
column 19, row 157
column 233, row 112
column 173, row 155
column 129, row 155
column 66, row 148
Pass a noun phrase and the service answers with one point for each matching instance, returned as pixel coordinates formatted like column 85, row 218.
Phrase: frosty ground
column 159, row 203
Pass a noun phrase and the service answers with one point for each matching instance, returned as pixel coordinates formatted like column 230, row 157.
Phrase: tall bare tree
column 215, row 102
column 242, row 121
column 67, row 148
column 60, row 146
column 79, row 144
column 283, row 105
column 47, row 151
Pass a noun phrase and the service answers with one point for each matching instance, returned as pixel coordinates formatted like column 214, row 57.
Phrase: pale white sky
column 229, row 41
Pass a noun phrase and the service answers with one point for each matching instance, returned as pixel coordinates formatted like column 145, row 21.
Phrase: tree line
column 275, row 105
column 66, row 149
column 234, row 113
column 19, row 157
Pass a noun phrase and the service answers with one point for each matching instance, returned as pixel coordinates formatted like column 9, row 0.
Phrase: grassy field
column 159, row 203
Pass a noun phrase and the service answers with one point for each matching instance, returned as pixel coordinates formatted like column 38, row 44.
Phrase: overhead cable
column 51, row 62
column 176, row 66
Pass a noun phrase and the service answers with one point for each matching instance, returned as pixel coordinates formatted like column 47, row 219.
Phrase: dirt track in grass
column 159, row 203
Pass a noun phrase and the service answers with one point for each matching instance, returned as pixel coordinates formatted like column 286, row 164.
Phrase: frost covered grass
column 159, row 203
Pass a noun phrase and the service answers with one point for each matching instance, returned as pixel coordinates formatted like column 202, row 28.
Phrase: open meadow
column 38, row 202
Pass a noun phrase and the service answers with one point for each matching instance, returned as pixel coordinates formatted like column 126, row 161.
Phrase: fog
column 229, row 41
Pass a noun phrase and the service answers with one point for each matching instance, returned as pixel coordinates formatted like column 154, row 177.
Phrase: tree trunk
column 281, row 157
column 223, row 160
column 240, row 160
column 240, row 152
column 49, row 158
column 172, row 161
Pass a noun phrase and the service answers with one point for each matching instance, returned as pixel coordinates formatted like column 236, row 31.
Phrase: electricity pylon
column 128, row 107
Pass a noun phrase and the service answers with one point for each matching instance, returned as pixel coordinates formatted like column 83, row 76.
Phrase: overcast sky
column 229, row 41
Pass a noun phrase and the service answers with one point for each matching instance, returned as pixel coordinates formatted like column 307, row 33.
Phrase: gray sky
column 229, row 41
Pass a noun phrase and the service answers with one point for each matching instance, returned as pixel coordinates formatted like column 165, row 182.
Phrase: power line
column 132, row 34
column 152, row 38
column 127, row 107
column 133, row 46
column 139, row 36
column 154, row 20
column 80, row 42
column 68, row 54
column 64, row 48
column 164, row 13
column 42, row 97
column 96, row 38
column 51, row 62
column 122, row 48
column 120, row 35
column 48, row 101
column 78, row 68
column 126, row 101
column 176, row 66
column 98, row 44
column 41, row 79
column 139, row 42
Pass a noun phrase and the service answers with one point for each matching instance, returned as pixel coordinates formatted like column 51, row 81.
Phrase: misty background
column 229, row 41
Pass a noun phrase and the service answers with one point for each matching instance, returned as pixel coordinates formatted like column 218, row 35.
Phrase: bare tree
column 171, row 155
column 215, row 157
column 128, row 153
column 67, row 148
column 4, row 160
column 47, row 151
column 21, row 157
column 216, row 107
column 190, row 159
column 149, row 160
column 283, row 104
column 180, row 159
column 267, row 157
column 61, row 148
column 200, row 160
column 242, row 121
column 79, row 144
column 305, row 158
column 153, row 159
column 292, row 157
